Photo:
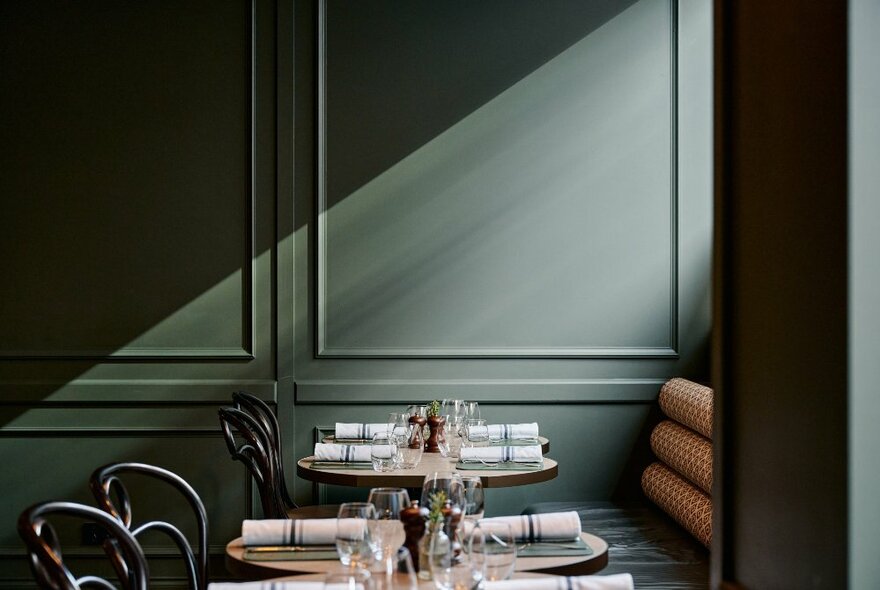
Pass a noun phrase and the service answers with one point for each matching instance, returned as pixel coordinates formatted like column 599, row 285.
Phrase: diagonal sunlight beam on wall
column 541, row 220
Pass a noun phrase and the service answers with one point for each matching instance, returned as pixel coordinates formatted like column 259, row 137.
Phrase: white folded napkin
column 342, row 453
column 529, row 454
column 548, row 526
column 614, row 582
column 508, row 431
column 303, row 531
column 267, row 586
column 357, row 431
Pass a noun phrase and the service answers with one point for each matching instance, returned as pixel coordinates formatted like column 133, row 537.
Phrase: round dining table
column 577, row 565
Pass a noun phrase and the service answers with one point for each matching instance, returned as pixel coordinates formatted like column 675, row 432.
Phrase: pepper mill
column 420, row 422
column 451, row 517
column 413, row 518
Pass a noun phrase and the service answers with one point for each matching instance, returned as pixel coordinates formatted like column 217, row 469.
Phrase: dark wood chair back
column 105, row 481
column 256, row 452
column 47, row 562
column 262, row 413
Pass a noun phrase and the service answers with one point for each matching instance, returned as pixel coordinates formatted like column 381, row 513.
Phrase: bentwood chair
column 47, row 562
column 255, row 424
column 105, row 482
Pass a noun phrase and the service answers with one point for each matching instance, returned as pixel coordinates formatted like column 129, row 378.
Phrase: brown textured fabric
column 685, row 451
column 689, row 403
column 687, row 505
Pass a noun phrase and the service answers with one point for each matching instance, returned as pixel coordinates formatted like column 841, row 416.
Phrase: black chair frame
column 105, row 481
column 46, row 559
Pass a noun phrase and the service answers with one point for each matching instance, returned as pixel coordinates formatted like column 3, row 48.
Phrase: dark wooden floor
column 643, row 542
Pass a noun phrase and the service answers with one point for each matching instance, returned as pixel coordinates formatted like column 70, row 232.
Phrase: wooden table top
column 413, row 478
column 260, row 570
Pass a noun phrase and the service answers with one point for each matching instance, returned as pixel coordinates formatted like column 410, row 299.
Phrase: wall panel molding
column 508, row 391
column 248, row 312
column 327, row 349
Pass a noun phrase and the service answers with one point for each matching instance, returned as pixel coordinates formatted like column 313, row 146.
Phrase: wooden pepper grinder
column 414, row 518
column 419, row 421
column 435, row 423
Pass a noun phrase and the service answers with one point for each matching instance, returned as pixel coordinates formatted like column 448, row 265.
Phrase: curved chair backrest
column 105, row 481
column 261, row 412
column 47, row 562
column 255, row 452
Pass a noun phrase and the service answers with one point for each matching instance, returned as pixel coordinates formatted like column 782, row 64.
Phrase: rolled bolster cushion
column 358, row 431
column 529, row 454
column 688, row 403
column 549, row 526
column 684, row 502
column 342, row 453
column 302, row 531
column 686, row 452
column 613, row 582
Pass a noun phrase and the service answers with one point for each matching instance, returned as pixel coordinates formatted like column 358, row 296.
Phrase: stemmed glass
column 474, row 498
column 495, row 548
column 396, row 572
column 360, row 579
column 353, row 541
column 386, row 528
column 443, row 481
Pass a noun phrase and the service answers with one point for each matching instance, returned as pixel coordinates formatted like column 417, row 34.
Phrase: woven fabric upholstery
column 689, row 403
column 685, row 451
column 684, row 502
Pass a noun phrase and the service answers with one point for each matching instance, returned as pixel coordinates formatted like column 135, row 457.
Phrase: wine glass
column 474, row 497
column 411, row 447
column 495, row 548
column 396, row 572
column 471, row 410
column 383, row 452
column 452, row 571
column 353, row 541
column 386, row 528
column 447, row 482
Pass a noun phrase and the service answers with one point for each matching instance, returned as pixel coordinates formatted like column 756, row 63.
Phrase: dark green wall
column 495, row 202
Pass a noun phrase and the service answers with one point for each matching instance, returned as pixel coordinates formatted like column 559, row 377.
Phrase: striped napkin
column 303, row 531
column 357, row 431
column 549, row 526
column 522, row 454
column 342, row 453
column 527, row 431
column 615, row 582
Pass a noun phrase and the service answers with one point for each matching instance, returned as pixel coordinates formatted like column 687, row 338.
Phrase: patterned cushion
column 689, row 403
column 685, row 451
column 687, row 505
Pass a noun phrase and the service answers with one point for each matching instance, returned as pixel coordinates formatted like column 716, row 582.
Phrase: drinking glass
column 495, row 547
column 350, row 580
column 399, row 424
column 471, row 410
column 454, row 410
column 474, row 498
column 475, row 433
column 411, row 447
column 448, row 483
column 383, row 452
column 387, row 530
column 395, row 572
column 353, row 541
column 417, row 410
column 455, row 572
